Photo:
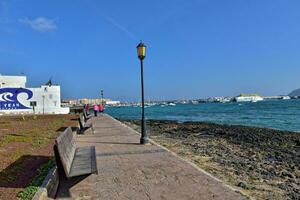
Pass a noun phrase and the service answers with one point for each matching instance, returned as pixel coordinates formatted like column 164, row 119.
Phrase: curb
column 49, row 186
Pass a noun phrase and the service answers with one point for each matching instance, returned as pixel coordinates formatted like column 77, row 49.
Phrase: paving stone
column 128, row 170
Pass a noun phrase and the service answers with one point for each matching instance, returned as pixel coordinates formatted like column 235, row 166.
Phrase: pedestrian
column 96, row 109
column 101, row 108
column 87, row 109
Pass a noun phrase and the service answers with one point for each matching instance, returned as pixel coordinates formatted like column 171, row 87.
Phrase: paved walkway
column 128, row 170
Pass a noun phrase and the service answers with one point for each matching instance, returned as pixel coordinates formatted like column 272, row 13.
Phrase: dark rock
column 243, row 185
column 248, row 154
column 285, row 173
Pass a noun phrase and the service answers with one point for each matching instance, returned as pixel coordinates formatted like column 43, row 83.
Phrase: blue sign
column 9, row 98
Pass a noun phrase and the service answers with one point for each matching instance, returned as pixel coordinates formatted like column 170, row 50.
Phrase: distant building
column 113, row 103
column 15, row 98
column 90, row 101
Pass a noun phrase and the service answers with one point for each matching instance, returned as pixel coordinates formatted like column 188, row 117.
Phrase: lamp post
column 141, row 51
column 102, row 97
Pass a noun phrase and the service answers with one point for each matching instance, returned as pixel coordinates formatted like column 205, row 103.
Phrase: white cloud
column 111, row 20
column 119, row 26
column 41, row 24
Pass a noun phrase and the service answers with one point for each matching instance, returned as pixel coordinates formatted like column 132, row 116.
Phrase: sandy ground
column 25, row 144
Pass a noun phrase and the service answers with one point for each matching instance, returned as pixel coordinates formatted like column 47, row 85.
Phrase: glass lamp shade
column 141, row 50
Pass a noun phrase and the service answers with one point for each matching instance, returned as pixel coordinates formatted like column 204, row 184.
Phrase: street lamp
column 141, row 51
column 102, row 97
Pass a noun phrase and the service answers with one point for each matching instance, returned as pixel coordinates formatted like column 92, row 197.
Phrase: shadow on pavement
column 66, row 184
column 123, row 143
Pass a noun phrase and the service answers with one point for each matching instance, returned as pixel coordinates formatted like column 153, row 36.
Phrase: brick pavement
column 128, row 170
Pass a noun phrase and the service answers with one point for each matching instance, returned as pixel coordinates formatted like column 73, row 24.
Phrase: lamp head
column 141, row 50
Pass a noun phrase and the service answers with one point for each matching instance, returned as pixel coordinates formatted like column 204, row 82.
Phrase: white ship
column 286, row 97
column 248, row 98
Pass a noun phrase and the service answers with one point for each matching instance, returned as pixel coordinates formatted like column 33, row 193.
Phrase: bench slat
column 84, row 125
column 73, row 161
column 86, row 116
column 66, row 147
column 84, row 161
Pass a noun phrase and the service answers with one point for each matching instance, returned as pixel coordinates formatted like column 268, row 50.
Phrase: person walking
column 96, row 109
column 101, row 108
column 87, row 108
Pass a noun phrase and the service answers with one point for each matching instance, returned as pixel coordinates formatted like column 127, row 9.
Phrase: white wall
column 47, row 99
column 12, row 81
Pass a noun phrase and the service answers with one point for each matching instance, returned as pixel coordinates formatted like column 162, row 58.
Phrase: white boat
column 225, row 100
column 194, row 102
column 286, row 97
column 172, row 104
column 248, row 98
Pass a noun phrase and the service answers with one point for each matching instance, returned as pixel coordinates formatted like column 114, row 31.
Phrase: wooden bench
column 72, row 161
column 83, row 126
column 86, row 116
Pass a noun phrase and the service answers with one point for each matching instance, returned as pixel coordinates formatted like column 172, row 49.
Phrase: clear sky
column 196, row 48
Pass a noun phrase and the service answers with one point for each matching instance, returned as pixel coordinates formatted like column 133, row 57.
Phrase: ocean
column 276, row 114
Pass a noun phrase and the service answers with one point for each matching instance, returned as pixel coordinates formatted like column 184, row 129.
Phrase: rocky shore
column 261, row 163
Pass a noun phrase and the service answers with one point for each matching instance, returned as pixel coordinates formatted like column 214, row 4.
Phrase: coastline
column 262, row 163
column 273, row 114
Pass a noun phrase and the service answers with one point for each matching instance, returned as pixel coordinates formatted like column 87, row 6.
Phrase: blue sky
column 196, row 48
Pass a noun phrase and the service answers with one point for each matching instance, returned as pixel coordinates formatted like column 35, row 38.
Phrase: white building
column 112, row 103
column 15, row 98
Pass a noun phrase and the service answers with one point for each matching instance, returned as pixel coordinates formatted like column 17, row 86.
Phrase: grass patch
column 14, row 138
column 22, row 137
column 40, row 141
column 36, row 141
column 15, row 155
column 36, row 182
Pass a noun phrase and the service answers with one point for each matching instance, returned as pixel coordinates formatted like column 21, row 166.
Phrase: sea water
column 276, row 114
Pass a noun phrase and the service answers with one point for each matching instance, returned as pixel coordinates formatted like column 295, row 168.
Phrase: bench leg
column 93, row 131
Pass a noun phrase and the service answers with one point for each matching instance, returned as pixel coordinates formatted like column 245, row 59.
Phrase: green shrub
column 36, row 182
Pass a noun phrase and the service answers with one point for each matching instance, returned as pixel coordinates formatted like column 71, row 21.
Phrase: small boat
column 195, row 102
